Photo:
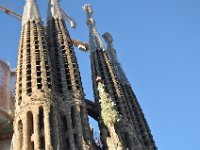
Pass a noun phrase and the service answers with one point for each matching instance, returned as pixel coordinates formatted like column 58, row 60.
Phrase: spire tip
column 88, row 9
column 108, row 37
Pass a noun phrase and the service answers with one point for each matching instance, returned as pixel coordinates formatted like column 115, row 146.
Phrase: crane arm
column 69, row 19
column 11, row 13
column 81, row 45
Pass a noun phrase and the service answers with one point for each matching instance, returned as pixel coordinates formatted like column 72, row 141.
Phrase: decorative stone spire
column 31, row 12
column 54, row 10
column 95, row 42
column 113, row 58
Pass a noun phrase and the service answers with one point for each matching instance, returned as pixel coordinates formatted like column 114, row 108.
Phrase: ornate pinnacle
column 31, row 12
column 95, row 42
column 88, row 10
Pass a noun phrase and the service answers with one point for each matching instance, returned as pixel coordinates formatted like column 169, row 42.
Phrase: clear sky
column 158, row 45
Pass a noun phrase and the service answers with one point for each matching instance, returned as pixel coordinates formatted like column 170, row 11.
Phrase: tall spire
column 33, row 86
column 31, row 12
column 74, row 130
column 54, row 10
column 95, row 42
column 113, row 58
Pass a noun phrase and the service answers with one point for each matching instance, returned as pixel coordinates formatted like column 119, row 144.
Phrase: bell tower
column 50, row 111
column 74, row 124
column 137, row 116
column 33, row 93
column 131, row 130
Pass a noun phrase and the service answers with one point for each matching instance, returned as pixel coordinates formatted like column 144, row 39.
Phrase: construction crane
column 10, row 12
column 80, row 45
column 69, row 19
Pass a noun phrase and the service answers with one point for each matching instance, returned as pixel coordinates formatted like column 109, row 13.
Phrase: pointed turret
column 113, row 58
column 31, row 12
column 95, row 42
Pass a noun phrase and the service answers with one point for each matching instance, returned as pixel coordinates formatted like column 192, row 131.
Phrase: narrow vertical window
column 41, row 127
column 75, row 139
column 81, row 112
column 67, row 143
column 30, row 122
column 73, row 116
column 30, row 129
column 64, row 121
column 32, row 145
column 41, row 118
column 42, row 142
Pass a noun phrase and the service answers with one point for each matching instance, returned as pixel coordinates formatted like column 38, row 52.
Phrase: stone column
column 17, row 136
column 47, row 135
column 36, row 130
column 26, row 135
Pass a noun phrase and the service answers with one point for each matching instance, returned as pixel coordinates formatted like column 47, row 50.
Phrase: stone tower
column 50, row 112
column 33, row 93
column 137, row 116
column 131, row 131
column 76, row 133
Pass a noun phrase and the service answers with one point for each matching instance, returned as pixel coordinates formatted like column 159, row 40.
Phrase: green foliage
column 109, row 113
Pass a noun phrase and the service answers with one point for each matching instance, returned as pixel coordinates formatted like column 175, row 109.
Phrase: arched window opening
column 30, row 122
column 41, row 127
column 30, row 129
column 64, row 121
column 73, row 116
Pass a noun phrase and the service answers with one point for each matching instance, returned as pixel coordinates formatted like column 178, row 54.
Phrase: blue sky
column 158, row 45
